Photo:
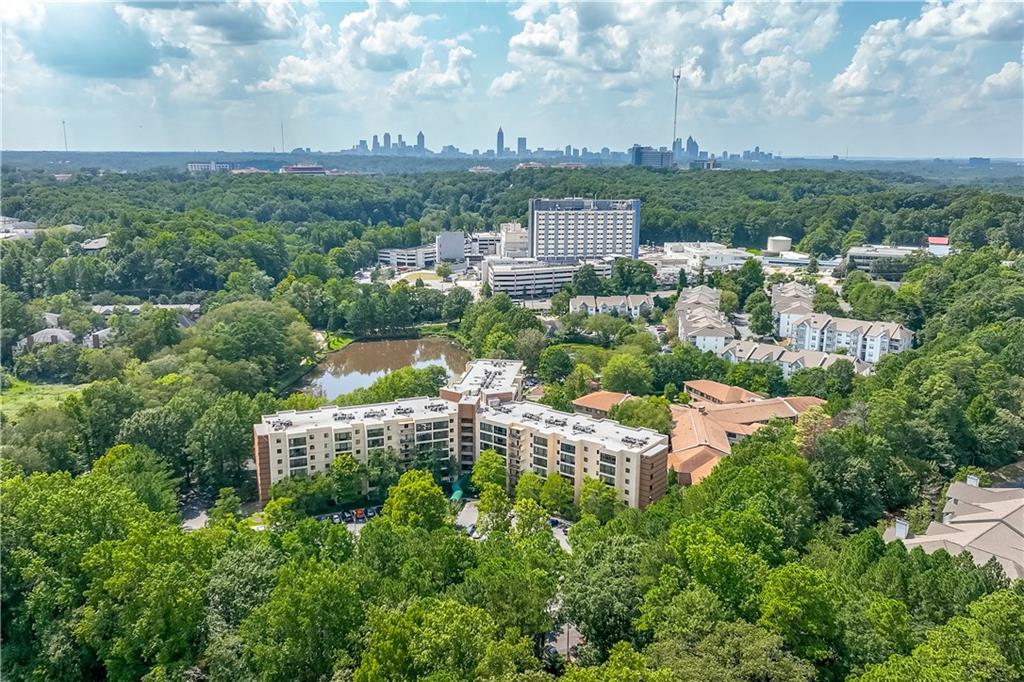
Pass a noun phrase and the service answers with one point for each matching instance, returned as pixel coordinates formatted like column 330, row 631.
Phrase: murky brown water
column 359, row 364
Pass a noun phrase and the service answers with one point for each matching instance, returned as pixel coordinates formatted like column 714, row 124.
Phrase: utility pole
column 676, row 75
column 64, row 127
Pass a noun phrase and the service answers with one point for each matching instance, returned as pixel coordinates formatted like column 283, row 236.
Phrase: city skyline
column 877, row 80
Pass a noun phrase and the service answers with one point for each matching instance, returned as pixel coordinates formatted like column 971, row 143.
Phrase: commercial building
column 208, row 166
column 450, row 246
column 866, row 341
column 478, row 411
column 532, row 278
column 700, row 322
column 788, row 360
column 864, row 256
column 704, row 433
column 514, row 241
column 415, row 258
column 987, row 523
column 649, row 157
column 303, row 169
column 481, row 244
column 709, row 255
column 938, row 246
column 566, row 230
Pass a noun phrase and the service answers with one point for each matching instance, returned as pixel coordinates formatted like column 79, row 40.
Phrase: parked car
column 360, row 515
column 370, row 513
column 348, row 517
column 470, row 530
column 336, row 518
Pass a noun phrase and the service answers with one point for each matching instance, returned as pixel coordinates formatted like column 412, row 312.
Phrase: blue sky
column 877, row 78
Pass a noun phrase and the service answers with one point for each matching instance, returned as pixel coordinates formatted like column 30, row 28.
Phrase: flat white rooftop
column 292, row 421
column 607, row 433
column 488, row 376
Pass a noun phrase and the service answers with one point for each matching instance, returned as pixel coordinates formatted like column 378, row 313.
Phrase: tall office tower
column 376, row 145
column 677, row 149
column 566, row 230
column 692, row 148
column 499, row 146
column 387, row 142
column 568, row 150
column 401, row 142
column 521, row 146
column 421, row 141
column 649, row 157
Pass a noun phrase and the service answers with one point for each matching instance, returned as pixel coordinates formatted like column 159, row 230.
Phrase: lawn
column 24, row 393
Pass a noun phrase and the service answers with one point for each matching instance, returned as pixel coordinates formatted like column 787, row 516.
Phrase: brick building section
column 653, row 478
column 261, row 446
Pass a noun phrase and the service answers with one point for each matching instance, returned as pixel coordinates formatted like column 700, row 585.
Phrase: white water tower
column 779, row 244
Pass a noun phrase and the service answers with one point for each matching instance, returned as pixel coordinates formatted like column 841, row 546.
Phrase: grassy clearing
column 21, row 394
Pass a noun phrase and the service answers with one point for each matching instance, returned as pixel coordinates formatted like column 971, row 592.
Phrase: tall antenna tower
column 64, row 127
column 282, row 136
column 676, row 75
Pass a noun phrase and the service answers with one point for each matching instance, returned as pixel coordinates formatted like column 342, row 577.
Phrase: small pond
column 359, row 364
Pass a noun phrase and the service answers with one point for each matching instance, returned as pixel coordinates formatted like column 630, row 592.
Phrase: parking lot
column 466, row 520
column 352, row 519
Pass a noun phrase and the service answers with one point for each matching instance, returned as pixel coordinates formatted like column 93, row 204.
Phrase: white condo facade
column 480, row 410
column 867, row 341
column 700, row 322
column 572, row 229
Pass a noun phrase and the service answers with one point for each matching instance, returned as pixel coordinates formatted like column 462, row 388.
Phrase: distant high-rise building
column 521, row 146
column 420, row 141
column 376, row 145
column 362, row 146
column 568, row 150
column 725, row 155
column 649, row 157
column 572, row 229
column 387, row 142
column 401, row 142
column 677, row 149
column 692, row 148
column 499, row 147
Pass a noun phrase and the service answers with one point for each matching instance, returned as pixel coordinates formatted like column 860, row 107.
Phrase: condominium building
column 703, row 433
column 699, row 320
column 477, row 411
column 566, row 230
column 533, row 278
column 293, row 443
column 631, row 307
column 788, row 360
column 987, row 523
column 867, row 341
column 532, row 437
column 790, row 302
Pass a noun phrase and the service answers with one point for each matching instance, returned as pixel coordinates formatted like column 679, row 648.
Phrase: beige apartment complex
column 479, row 410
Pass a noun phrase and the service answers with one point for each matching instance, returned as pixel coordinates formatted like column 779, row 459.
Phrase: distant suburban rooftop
column 601, row 400
column 985, row 522
column 938, row 241
column 723, row 393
